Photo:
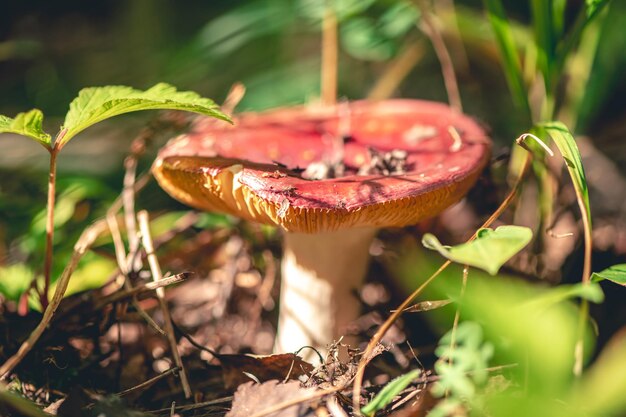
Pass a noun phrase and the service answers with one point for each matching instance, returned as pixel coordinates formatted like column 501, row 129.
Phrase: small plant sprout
column 94, row 105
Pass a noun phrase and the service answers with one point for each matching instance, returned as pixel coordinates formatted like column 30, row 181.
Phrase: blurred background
column 51, row 50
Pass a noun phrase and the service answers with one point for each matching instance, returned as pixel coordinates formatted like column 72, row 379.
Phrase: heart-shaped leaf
column 489, row 251
column 99, row 103
column 615, row 273
column 27, row 124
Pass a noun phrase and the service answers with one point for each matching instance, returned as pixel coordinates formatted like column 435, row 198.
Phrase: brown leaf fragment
column 427, row 306
column 236, row 368
column 251, row 399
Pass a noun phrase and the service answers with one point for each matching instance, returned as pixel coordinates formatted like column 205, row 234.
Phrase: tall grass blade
column 510, row 58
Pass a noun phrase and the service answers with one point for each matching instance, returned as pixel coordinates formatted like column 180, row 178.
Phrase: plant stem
column 329, row 55
column 445, row 61
column 47, row 266
column 367, row 354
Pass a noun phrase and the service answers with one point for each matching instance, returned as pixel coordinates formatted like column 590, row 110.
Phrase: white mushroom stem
column 321, row 274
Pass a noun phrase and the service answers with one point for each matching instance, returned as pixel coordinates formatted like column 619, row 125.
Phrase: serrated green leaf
column 615, row 273
column 27, row 124
column 489, row 251
column 99, row 103
column 388, row 393
column 569, row 150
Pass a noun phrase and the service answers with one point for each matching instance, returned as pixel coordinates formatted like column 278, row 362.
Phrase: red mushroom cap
column 250, row 169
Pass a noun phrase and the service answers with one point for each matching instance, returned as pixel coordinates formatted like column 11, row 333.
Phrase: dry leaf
column 251, row 398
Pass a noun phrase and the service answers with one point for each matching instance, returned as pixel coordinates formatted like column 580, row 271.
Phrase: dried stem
column 157, row 275
column 125, row 263
column 447, row 68
column 329, row 55
column 87, row 238
column 397, row 71
column 367, row 354
column 149, row 382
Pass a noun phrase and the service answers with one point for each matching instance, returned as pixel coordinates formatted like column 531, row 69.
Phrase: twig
column 87, row 238
column 329, row 55
column 367, row 354
column 223, row 400
column 447, row 67
column 147, row 383
column 124, row 264
column 157, row 275
column 140, row 289
column 397, row 71
column 234, row 96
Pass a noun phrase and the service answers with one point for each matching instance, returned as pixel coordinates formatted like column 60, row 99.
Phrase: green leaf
column 615, row 273
column 388, row 393
column 544, row 37
column 591, row 292
column 26, row 124
column 510, row 59
column 489, row 251
column 463, row 366
column 568, row 148
column 593, row 6
column 99, row 103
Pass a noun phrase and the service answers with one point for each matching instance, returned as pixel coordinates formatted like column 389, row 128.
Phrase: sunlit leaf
column 99, row 103
column 489, row 251
column 389, row 392
column 568, row 148
column 615, row 273
column 27, row 124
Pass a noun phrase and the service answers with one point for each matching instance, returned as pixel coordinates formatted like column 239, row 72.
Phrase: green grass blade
column 544, row 38
column 510, row 58
column 389, row 392
column 585, row 16
column 569, row 150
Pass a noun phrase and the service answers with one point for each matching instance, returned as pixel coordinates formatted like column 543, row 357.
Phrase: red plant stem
column 47, row 266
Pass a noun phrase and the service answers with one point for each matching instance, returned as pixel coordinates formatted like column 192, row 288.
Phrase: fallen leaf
column 251, row 398
column 236, row 368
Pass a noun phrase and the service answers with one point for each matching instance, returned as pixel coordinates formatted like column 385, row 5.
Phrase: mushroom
column 253, row 170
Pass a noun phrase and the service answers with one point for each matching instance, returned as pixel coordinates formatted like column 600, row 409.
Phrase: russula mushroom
column 403, row 161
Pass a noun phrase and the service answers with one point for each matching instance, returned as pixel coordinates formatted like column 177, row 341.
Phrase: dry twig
column 157, row 275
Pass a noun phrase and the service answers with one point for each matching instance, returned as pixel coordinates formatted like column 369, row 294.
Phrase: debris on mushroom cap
column 252, row 170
